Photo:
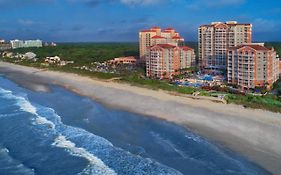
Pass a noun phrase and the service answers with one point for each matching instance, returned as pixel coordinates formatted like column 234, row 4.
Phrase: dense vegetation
column 83, row 53
column 276, row 45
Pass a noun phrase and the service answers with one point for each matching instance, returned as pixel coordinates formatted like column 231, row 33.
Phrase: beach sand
column 255, row 134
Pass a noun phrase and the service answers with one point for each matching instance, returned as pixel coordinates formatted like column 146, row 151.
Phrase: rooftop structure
column 123, row 60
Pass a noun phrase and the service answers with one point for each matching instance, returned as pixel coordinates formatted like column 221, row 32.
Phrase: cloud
column 93, row 3
column 26, row 22
column 21, row 3
column 202, row 4
column 140, row 2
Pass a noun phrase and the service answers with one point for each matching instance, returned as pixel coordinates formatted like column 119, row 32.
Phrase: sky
column 121, row 20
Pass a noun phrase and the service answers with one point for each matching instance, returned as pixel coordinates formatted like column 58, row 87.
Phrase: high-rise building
column 214, row 40
column 166, row 60
column 28, row 43
column 155, row 35
column 252, row 65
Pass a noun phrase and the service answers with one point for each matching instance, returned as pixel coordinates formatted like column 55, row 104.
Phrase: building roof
column 253, row 46
column 169, row 28
column 147, row 30
column 186, row 48
column 157, row 37
column 155, row 27
column 164, row 46
column 229, row 24
column 177, row 37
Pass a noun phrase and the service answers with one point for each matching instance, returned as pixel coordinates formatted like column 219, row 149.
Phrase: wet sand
column 255, row 134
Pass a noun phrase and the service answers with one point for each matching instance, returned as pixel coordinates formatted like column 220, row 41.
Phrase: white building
column 28, row 43
column 17, row 44
column 33, row 43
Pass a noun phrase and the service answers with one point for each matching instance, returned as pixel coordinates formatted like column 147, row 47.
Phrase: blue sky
column 120, row 20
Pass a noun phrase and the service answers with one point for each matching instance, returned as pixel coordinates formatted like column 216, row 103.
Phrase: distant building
column 28, row 43
column 17, row 44
column 214, row 39
column 155, row 35
column 252, row 65
column 123, row 60
column 53, row 44
column 33, row 43
column 52, row 60
column 4, row 45
column 166, row 60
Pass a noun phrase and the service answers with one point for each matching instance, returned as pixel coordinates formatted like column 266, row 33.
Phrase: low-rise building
column 52, row 60
column 252, row 65
column 123, row 60
column 30, row 56
column 166, row 60
column 5, row 45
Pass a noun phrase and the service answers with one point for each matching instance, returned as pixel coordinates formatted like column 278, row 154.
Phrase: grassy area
column 156, row 84
column 271, row 103
column 276, row 45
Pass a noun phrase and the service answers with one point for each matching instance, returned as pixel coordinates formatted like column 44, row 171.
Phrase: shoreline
column 253, row 133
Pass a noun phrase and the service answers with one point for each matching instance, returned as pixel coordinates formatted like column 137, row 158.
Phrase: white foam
column 26, row 106
column 67, row 136
column 6, row 150
column 43, row 121
column 96, row 165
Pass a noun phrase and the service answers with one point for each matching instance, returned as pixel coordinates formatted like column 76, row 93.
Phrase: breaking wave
column 102, row 156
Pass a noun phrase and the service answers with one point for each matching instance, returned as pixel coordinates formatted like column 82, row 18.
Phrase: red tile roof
column 165, row 46
column 170, row 28
column 255, row 47
column 186, row 48
column 177, row 37
column 157, row 37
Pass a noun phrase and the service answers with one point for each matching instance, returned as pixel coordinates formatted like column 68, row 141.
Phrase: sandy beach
column 255, row 134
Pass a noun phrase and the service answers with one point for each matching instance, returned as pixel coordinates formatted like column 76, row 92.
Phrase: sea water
column 61, row 133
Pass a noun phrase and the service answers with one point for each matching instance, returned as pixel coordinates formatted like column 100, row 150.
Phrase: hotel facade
column 214, row 40
column 163, row 61
column 28, row 43
column 252, row 65
column 156, row 35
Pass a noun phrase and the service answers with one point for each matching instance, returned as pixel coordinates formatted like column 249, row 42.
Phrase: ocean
column 62, row 133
